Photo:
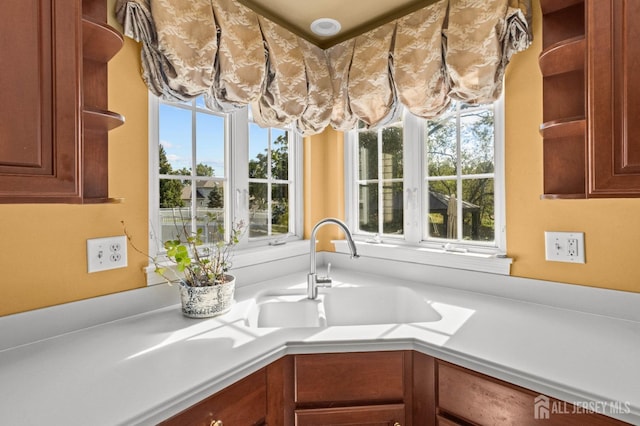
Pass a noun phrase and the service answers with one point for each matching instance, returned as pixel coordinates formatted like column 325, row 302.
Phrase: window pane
column 173, row 193
column 368, row 155
column 368, row 202
column 441, row 147
column 258, row 210
column 392, row 206
column 279, row 209
column 478, row 210
column 476, row 142
column 210, row 145
column 258, row 150
column 174, row 222
column 210, row 210
column 279, row 154
column 175, row 140
column 441, row 220
column 392, row 152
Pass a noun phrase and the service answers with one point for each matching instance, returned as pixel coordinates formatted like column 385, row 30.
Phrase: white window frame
column 412, row 245
column 380, row 181
column 294, row 181
column 236, row 194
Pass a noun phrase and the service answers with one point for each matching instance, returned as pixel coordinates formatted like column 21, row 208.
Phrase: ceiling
column 355, row 16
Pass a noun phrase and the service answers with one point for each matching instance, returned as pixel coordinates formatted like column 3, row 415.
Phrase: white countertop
column 144, row 368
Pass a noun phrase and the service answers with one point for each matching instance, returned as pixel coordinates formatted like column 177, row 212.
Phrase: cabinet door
column 350, row 377
column 242, row 404
column 380, row 415
column 613, row 97
column 40, row 108
column 465, row 396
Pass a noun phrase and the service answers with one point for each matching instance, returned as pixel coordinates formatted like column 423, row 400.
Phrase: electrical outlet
column 564, row 247
column 106, row 253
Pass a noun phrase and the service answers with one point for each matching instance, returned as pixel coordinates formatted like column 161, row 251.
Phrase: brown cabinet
column 467, row 397
column 613, row 57
column 54, row 118
column 591, row 135
column 372, row 388
column 242, row 404
column 394, row 388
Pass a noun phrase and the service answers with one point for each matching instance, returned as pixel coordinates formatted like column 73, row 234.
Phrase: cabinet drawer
column 483, row 400
column 350, row 377
column 376, row 415
column 244, row 403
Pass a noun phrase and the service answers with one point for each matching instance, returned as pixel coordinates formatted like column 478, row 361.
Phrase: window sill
column 478, row 262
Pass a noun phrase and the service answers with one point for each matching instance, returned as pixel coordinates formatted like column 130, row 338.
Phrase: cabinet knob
column 216, row 423
column 397, row 424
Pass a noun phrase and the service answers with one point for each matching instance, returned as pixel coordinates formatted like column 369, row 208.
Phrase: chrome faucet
column 313, row 281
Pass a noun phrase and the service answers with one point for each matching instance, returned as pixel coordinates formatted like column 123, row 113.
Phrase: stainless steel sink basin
column 341, row 306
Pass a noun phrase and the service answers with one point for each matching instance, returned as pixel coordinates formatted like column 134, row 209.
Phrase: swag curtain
column 450, row 49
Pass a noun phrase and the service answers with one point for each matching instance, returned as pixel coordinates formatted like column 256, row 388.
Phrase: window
column 269, row 183
column 380, row 182
column 435, row 182
column 459, row 176
column 208, row 169
column 192, row 154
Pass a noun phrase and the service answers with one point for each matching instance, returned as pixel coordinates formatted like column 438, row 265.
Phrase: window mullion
column 413, row 146
column 194, row 189
column 239, row 169
column 380, row 186
column 269, row 182
column 459, row 210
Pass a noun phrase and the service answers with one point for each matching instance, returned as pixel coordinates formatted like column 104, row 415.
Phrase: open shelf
column 564, row 56
column 106, row 200
column 563, row 196
column 101, row 120
column 100, row 41
column 550, row 6
column 574, row 126
column 563, row 63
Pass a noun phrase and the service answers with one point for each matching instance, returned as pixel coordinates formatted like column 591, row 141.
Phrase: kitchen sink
column 285, row 309
column 376, row 305
column 341, row 306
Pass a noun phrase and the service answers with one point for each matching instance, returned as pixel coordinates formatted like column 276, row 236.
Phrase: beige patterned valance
column 450, row 49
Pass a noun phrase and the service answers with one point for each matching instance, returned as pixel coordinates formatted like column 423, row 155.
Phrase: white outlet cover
column 106, row 253
column 556, row 245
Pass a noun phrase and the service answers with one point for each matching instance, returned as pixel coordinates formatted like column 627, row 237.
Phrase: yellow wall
column 43, row 260
column 43, row 255
column 611, row 226
column 324, row 185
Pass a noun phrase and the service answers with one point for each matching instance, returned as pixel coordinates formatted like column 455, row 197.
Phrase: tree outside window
column 459, row 178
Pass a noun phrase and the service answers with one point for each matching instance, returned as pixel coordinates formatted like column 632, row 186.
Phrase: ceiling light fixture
column 325, row 27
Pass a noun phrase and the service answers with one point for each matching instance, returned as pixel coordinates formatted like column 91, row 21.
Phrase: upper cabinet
column 54, row 117
column 590, row 104
column 613, row 97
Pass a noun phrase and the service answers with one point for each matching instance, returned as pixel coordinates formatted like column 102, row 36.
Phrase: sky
column 175, row 133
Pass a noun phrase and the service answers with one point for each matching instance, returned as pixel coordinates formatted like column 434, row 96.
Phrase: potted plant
column 201, row 271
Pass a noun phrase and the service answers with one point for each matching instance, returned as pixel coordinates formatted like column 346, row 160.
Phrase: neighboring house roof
column 202, row 190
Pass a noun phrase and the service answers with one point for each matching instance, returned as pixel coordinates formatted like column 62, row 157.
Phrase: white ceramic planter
column 210, row 301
